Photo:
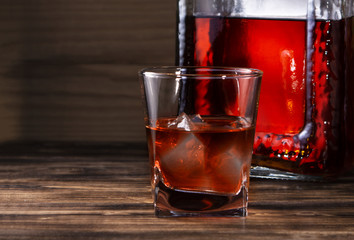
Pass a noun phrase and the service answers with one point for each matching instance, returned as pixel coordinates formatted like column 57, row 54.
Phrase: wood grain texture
column 68, row 69
column 87, row 191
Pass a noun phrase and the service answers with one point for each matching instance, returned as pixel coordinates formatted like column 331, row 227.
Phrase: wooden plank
column 87, row 191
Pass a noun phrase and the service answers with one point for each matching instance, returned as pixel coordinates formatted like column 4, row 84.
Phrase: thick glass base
column 269, row 173
column 179, row 203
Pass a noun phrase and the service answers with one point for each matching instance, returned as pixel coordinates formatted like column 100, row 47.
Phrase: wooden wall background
column 68, row 68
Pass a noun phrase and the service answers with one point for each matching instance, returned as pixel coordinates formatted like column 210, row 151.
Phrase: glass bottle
column 305, row 126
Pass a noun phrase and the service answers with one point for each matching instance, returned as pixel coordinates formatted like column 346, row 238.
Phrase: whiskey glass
column 200, row 143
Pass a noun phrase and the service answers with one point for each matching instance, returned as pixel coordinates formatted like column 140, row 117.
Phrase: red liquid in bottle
column 303, row 124
column 275, row 46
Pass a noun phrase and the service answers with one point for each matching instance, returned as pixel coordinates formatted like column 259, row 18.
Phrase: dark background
column 68, row 68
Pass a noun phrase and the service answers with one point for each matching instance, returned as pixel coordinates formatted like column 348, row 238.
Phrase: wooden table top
column 102, row 191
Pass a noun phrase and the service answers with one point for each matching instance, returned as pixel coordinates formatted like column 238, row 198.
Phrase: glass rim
column 205, row 71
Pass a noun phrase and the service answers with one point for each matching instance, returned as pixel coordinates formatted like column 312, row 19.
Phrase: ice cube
column 183, row 165
column 196, row 118
column 186, row 122
column 240, row 122
column 227, row 170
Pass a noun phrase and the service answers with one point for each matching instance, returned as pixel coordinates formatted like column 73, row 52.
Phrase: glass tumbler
column 200, row 151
